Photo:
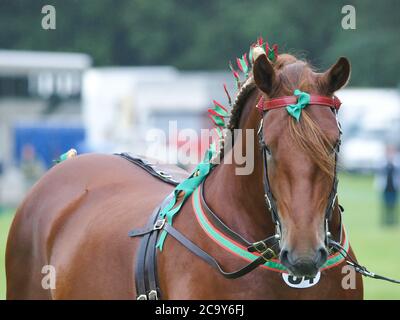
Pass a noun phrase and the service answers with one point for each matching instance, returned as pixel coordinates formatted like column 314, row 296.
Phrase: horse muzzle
column 305, row 265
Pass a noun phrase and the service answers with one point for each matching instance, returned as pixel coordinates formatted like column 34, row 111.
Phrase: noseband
column 265, row 105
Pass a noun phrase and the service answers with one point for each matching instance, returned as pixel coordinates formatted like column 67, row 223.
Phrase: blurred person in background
column 31, row 166
column 388, row 182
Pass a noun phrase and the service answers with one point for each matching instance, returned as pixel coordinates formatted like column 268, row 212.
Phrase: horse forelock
column 307, row 133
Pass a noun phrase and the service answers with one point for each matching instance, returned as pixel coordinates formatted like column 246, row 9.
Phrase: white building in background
column 121, row 105
column 115, row 107
column 370, row 119
column 36, row 88
column 29, row 80
column 118, row 106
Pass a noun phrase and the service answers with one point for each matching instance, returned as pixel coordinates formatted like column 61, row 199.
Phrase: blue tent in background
column 49, row 140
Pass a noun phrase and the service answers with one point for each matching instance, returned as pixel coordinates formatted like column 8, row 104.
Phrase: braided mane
column 246, row 87
column 237, row 107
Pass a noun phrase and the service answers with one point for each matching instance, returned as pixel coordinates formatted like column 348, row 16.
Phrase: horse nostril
column 284, row 257
column 321, row 257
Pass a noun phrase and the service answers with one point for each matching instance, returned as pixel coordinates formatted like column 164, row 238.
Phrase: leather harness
column 146, row 278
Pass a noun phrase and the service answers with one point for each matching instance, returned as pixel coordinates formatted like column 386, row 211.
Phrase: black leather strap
column 146, row 277
column 269, row 197
column 150, row 168
column 152, row 225
column 151, row 268
column 221, row 226
column 267, row 255
column 259, row 246
column 142, row 287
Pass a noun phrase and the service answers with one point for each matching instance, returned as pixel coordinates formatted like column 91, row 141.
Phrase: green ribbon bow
column 302, row 101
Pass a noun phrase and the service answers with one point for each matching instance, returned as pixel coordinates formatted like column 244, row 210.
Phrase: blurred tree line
column 193, row 34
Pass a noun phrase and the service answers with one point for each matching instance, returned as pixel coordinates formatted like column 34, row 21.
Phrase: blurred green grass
column 376, row 247
column 5, row 222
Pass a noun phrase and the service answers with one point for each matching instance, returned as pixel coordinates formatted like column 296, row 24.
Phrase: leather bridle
column 265, row 105
column 146, row 277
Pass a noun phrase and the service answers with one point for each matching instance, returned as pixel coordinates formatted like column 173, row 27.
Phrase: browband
column 265, row 105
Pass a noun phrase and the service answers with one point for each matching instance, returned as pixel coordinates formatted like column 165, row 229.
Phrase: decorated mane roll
column 218, row 114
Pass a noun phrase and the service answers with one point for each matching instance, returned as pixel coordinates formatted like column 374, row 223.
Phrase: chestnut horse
column 77, row 217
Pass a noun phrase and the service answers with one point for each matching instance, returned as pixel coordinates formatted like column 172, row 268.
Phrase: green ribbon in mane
column 185, row 189
column 302, row 101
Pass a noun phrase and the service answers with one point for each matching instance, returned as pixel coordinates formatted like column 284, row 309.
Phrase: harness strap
column 151, row 267
column 146, row 278
column 221, row 226
column 142, row 286
column 147, row 229
column 265, row 256
column 147, row 287
column 269, row 198
column 331, row 199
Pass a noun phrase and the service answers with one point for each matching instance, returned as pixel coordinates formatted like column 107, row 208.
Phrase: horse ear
column 338, row 75
column 263, row 71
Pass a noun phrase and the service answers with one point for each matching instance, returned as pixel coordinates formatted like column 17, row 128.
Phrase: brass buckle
column 260, row 246
column 268, row 254
column 263, row 250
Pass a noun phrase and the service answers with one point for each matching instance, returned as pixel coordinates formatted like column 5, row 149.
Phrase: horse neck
column 238, row 200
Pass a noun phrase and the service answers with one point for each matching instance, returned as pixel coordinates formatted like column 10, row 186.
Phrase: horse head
column 301, row 155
